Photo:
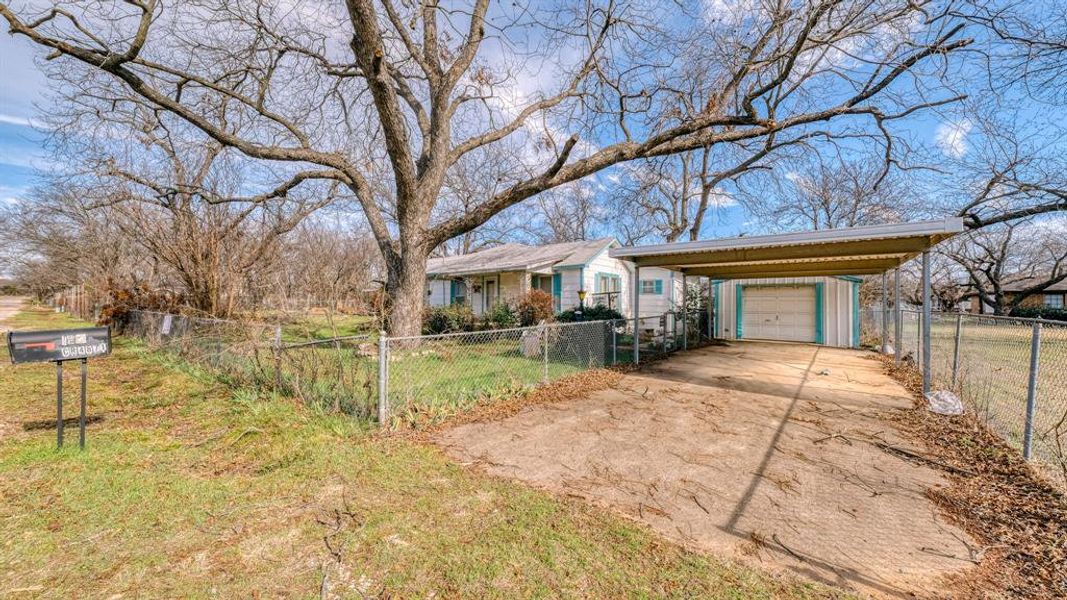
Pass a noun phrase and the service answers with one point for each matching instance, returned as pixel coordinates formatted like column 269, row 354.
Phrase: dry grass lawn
column 189, row 489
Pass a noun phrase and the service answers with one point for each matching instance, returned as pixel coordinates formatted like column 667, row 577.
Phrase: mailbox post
column 60, row 346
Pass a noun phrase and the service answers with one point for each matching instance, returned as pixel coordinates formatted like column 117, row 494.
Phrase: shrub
column 591, row 313
column 501, row 316
column 534, row 307
column 447, row 319
column 1041, row 312
column 121, row 300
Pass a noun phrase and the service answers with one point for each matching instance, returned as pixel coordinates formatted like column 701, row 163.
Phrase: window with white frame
column 1054, row 300
column 608, row 283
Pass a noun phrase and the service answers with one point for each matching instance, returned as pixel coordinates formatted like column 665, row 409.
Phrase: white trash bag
column 944, row 402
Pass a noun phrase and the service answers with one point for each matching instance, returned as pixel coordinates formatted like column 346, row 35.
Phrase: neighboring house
column 1054, row 296
column 506, row 273
column 819, row 310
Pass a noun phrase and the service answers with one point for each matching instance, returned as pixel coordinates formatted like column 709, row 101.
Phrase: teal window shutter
column 659, row 286
column 820, row 302
column 557, row 290
column 452, row 292
column 737, row 325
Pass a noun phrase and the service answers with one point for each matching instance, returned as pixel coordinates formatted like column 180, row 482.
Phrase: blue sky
column 22, row 86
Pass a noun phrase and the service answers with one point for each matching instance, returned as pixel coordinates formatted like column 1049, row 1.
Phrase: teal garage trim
column 738, row 303
column 855, row 314
column 820, row 304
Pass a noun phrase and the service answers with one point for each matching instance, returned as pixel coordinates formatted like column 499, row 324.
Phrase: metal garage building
column 819, row 310
column 800, row 287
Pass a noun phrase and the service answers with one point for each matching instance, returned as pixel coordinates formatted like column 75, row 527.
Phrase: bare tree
column 1021, row 253
column 176, row 197
column 1026, row 47
column 385, row 97
column 1012, row 171
column 332, row 266
column 53, row 241
column 826, row 194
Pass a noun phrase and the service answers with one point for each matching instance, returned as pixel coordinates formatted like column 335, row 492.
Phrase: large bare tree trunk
column 405, row 289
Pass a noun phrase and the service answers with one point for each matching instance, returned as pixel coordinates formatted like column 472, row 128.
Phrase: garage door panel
column 784, row 313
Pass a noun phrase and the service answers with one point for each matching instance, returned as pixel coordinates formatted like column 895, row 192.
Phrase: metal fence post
column 614, row 345
column 1031, row 390
column 544, row 352
column 383, row 379
column 885, row 312
column 956, row 350
column 666, row 319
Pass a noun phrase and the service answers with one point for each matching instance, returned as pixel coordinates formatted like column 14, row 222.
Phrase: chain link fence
column 420, row 378
column 337, row 374
column 428, row 377
column 1011, row 373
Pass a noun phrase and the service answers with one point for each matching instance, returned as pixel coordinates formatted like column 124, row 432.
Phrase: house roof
column 845, row 251
column 518, row 257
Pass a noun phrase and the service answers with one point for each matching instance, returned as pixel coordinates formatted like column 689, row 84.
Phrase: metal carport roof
column 846, row 251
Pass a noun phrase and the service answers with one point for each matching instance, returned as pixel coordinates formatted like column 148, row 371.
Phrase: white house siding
column 570, row 283
column 440, row 292
column 838, row 313
column 604, row 264
column 657, row 304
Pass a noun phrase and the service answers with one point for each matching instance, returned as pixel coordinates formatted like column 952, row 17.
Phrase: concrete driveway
column 768, row 452
column 9, row 305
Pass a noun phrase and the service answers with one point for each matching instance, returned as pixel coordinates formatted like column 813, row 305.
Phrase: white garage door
column 778, row 313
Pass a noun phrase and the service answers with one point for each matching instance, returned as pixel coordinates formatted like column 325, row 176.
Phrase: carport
column 852, row 251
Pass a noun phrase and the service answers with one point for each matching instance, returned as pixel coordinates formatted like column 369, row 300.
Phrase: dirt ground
column 773, row 453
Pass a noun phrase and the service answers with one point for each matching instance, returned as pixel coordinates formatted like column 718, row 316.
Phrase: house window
column 1054, row 300
column 459, row 292
column 651, row 287
column 608, row 283
column 542, row 282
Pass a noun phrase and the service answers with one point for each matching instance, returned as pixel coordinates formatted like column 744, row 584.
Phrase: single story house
column 507, row 272
column 1054, row 296
column 820, row 310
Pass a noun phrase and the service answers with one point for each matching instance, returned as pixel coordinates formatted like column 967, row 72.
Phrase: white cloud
column 720, row 198
column 951, row 137
column 20, row 121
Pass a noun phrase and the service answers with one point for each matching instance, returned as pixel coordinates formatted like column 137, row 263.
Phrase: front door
column 490, row 294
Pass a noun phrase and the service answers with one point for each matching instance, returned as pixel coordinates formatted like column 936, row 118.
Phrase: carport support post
column 637, row 314
column 926, row 322
column 898, row 333
column 885, row 312
column 711, row 310
column 1031, row 390
column 685, row 314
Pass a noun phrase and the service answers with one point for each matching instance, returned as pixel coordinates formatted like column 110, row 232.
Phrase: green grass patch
column 189, row 488
column 324, row 327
